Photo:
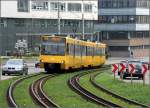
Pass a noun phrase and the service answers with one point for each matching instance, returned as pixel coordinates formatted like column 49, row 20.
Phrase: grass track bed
column 136, row 91
column 62, row 95
column 21, row 93
column 84, row 81
column 4, row 84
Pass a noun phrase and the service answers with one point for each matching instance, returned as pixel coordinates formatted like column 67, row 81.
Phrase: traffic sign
column 144, row 68
column 114, row 68
column 123, row 66
column 131, row 68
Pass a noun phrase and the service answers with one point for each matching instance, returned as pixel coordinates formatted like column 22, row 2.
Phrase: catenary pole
column 58, row 14
column 83, row 37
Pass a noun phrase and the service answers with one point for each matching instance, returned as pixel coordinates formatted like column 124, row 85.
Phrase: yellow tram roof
column 81, row 42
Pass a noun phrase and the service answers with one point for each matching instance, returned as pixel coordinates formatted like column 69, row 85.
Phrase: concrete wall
column 136, row 53
column 124, row 11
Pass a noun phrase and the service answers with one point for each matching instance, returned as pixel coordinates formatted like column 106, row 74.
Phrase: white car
column 15, row 66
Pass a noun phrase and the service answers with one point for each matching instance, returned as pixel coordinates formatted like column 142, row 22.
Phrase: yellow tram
column 65, row 53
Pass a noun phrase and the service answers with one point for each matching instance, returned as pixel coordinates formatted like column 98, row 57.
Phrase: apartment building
column 125, row 26
column 30, row 19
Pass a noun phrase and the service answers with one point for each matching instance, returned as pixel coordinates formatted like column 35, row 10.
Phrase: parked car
column 37, row 64
column 138, row 69
column 15, row 66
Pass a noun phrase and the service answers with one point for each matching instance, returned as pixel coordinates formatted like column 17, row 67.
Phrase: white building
column 29, row 19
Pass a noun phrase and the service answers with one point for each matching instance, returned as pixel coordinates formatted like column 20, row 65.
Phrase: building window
column 123, row 3
column 74, row 7
column 51, row 23
column 19, row 22
column 139, row 19
column 57, row 5
column 3, row 23
column 118, row 48
column 23, row 5
column 118, row 35
column 39, row 5
column 140, row 34
column 87, row 7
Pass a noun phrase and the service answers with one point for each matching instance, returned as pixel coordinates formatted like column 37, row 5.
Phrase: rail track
column 10, row 98
column 37, row 93
column 100, row 87
column 74, row 83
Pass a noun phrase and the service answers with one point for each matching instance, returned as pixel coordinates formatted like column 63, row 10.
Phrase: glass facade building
column 125, row 26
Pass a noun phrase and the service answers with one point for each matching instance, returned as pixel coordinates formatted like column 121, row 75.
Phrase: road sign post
column 114, row 69
column 0, row 68
column 131, row 71
column 144, row 71
column 123, row 66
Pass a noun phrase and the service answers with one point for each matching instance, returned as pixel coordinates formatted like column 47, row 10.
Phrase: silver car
column 15, row 66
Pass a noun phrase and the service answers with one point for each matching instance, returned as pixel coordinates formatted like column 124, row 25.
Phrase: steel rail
column 37, row 93
column 100, row 87
column 74, row 83
column 10, row 98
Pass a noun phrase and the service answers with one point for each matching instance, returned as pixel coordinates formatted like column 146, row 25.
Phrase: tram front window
column 53, row 49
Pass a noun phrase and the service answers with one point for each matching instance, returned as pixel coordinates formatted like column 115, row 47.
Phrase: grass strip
column 135, row 91
column 4, row 84
column 58, row 90
column 21, row 93
column 84, row 81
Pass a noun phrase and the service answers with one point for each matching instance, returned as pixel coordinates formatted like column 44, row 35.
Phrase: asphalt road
column 32, row 69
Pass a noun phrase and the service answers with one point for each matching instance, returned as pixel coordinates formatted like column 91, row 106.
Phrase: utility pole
column 58, row 14
column 83, row 37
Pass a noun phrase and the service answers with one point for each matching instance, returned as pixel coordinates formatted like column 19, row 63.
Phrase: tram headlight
column 63, row 61
column 41, row 60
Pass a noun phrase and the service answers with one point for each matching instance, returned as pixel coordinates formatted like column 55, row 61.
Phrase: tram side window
column 83, row 50
column 71, row 49
column 80, row 51
column 89, row 51
column 99, row 51
column 81, row 47
column 103, row 51
column 67, row 49
column 77, row 50
column 96, row 51
column 92, row 51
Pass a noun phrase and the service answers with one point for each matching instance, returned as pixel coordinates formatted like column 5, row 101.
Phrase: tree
column 21, row 47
